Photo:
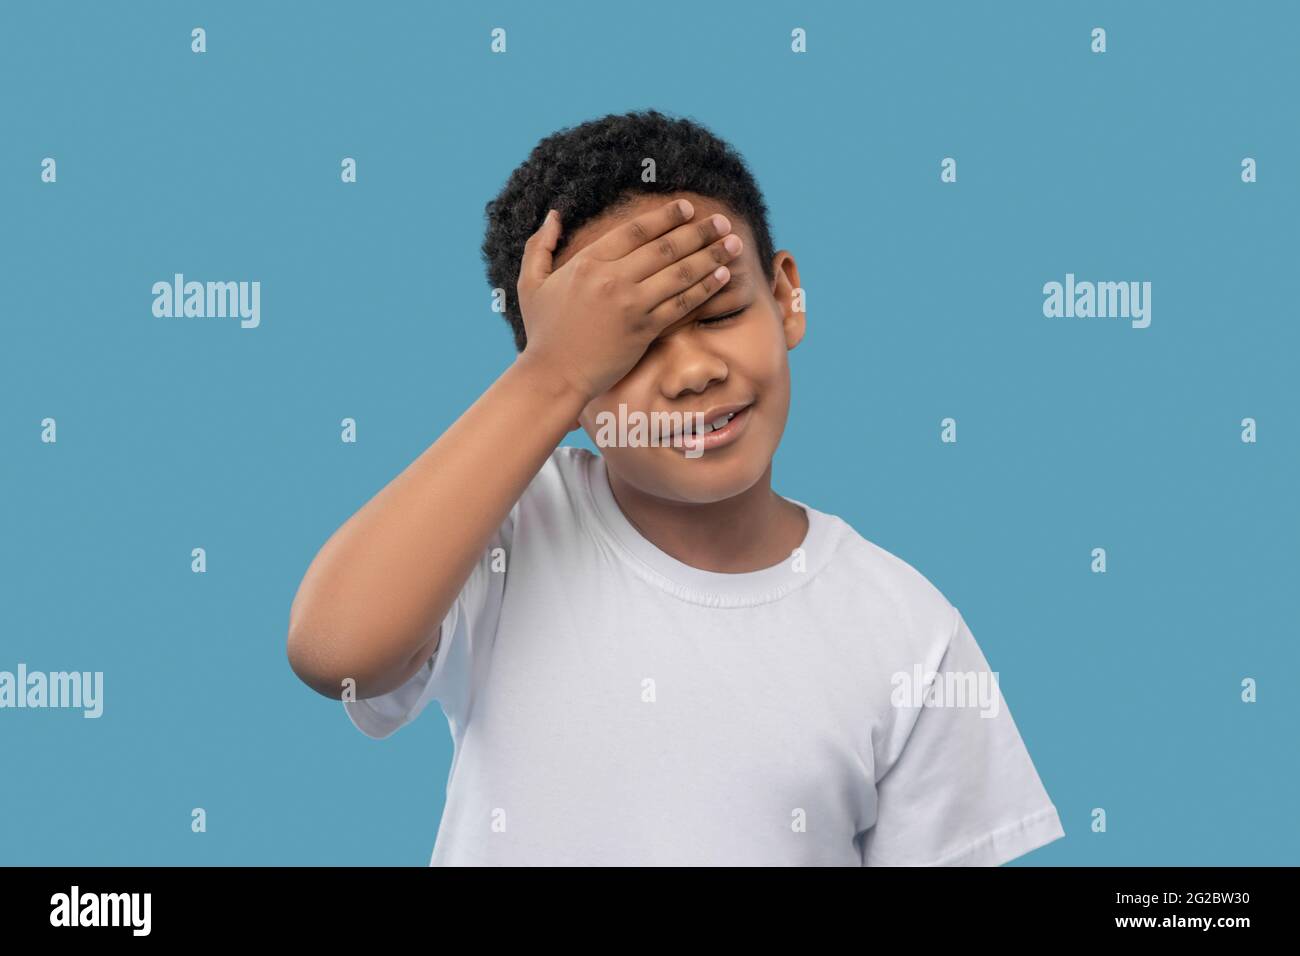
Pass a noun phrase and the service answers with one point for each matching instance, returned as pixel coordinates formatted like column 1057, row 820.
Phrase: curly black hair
column 585, row 170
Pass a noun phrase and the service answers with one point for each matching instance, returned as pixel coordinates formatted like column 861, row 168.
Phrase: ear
column 789, row 296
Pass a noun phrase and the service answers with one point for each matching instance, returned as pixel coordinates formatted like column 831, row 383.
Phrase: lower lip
column 719, row 437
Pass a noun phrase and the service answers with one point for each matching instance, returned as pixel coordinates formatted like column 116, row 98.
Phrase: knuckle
column 607, row 286
column 638, row 232
column 667, row 248
column 625, row 301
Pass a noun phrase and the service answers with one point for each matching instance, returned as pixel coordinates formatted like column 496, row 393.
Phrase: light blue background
column 924, row 301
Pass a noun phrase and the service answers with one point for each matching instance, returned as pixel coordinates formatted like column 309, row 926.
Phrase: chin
column 702, row 480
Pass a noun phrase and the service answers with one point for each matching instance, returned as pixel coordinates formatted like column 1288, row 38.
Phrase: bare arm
column 371, row 601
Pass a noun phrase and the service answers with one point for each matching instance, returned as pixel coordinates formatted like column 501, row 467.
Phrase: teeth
column 710, row 426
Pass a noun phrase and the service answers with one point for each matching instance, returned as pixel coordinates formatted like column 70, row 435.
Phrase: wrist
column 550, row 382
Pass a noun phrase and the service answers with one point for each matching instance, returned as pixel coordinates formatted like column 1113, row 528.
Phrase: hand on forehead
column 593, row 229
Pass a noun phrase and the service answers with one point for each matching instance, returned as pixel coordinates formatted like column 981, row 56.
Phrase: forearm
column 376, row 592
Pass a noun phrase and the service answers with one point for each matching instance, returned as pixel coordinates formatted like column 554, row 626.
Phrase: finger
column 635, row 233
column 678, row 288
column 539, row 251
column 653, row 257
column 686, row 301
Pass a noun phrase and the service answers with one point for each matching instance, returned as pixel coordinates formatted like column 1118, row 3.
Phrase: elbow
column 335, row 662
column 311, row 665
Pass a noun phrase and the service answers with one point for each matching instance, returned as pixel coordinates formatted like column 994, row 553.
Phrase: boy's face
column 703, row 362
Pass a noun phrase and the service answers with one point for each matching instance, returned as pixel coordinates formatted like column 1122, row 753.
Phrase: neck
column 753, row 530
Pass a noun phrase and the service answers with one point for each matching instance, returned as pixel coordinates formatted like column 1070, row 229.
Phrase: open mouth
column 715, row 425
column 715, row 432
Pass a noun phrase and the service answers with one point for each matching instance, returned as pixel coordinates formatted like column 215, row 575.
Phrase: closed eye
column 720, row 319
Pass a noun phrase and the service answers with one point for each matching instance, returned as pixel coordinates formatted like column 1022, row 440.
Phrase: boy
column 648, row 656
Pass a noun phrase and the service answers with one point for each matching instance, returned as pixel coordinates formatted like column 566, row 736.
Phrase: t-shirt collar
column 712, row 588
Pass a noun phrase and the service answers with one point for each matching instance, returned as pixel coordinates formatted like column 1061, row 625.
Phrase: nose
column 688, row 365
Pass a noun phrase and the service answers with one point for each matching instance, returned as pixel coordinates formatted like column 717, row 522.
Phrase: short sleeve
column 448, row 675
column 963, row 791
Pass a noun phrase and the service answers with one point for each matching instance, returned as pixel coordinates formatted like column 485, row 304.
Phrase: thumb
column 538, row 251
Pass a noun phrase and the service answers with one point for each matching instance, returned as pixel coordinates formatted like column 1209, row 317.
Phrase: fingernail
column 685, row 206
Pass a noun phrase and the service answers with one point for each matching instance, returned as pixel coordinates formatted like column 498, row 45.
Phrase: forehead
column 705, row 206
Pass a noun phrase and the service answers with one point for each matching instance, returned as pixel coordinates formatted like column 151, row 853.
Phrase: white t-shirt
column 610, row 705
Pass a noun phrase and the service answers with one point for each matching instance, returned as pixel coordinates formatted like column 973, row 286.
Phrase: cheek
column 606, row 402
column 762, row 359
column 604, row 408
